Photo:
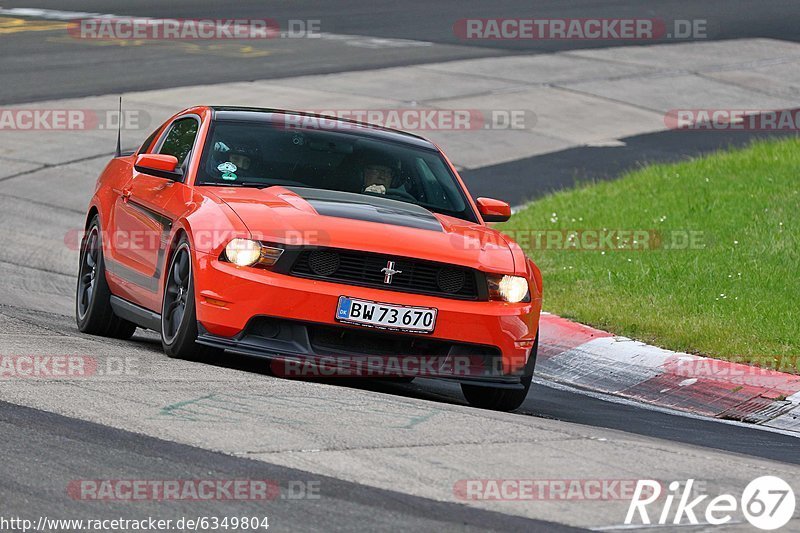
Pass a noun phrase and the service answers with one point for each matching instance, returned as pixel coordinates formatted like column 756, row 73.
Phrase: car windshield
column 259, row 154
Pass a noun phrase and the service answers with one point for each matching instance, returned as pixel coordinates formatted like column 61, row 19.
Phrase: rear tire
column 498, row 399
column 178, row 311
column 93, row 312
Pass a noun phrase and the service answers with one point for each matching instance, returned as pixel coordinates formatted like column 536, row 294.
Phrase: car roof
column 277, row 116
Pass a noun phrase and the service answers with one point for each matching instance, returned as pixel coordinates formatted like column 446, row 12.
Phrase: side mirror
column 159, row 165
column 493, row 210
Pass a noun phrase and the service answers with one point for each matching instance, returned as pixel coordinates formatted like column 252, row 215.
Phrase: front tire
column 178, row 311
column 93, row 312
column 498, row 399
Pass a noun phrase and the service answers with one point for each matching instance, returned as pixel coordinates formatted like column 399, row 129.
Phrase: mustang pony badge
column 389, row 272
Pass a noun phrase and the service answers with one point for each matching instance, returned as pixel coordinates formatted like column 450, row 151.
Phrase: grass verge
column 716, row 264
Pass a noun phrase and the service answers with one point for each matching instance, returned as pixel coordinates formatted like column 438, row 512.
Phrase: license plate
column 386, row 316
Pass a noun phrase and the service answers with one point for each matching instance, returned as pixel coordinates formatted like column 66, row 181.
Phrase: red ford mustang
column 325, row 245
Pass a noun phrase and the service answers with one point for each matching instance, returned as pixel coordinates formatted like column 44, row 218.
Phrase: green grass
column 737, row 297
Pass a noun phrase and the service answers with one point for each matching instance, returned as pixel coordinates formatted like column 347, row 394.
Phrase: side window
column 180, row 139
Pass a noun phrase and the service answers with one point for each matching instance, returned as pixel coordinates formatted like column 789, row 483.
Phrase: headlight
column 243, row 252
column 512, row 289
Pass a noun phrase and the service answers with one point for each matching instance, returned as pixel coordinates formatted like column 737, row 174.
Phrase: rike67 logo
column 768, row 503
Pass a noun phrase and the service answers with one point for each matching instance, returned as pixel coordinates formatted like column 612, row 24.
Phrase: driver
column 240, row 158
column 377, row 178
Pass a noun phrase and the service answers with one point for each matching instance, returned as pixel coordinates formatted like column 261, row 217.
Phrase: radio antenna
column 119, row 129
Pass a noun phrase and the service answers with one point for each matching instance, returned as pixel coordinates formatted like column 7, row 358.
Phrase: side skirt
column 144, row 318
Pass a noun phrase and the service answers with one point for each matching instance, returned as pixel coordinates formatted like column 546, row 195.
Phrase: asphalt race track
column 100, row 451
column 384, row 455
column 39, row 67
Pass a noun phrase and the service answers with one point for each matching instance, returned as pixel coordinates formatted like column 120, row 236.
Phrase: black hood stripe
column 368, row 208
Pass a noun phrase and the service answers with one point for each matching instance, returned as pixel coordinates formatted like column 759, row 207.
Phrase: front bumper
column 233, row 304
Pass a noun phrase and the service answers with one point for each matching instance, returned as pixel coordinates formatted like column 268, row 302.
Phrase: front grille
column 323, row 263
column 451, row 280
column 366, row 269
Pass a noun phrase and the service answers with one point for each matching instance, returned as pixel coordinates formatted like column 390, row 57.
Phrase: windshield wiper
column 252, row 184
column 255, row 184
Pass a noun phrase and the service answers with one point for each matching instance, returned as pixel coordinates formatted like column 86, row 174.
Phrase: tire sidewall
column 100, row 274
column 186, row 333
